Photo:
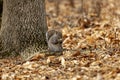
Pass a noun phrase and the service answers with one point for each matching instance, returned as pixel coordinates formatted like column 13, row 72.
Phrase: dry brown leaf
column 36, row 57
column 77, row 53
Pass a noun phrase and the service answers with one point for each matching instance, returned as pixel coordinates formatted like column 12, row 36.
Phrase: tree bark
column 1, row 6
column 23, row 25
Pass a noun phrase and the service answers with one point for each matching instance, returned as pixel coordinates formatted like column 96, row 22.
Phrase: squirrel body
column 54, row 41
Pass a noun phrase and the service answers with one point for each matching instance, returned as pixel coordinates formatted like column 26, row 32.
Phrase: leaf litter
column 93, row 48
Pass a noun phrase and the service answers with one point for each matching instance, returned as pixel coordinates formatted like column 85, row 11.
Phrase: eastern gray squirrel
column 54, row 41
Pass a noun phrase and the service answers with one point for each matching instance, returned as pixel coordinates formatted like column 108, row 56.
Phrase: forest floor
column 93, row 45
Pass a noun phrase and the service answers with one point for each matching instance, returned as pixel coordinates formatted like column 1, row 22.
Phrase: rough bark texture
column 1, row 6
column 23, row 25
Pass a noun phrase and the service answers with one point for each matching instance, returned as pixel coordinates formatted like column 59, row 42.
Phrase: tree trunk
column 23, row 26
column 1, row 6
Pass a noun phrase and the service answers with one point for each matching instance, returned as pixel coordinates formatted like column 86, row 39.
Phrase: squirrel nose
column 60, row 40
